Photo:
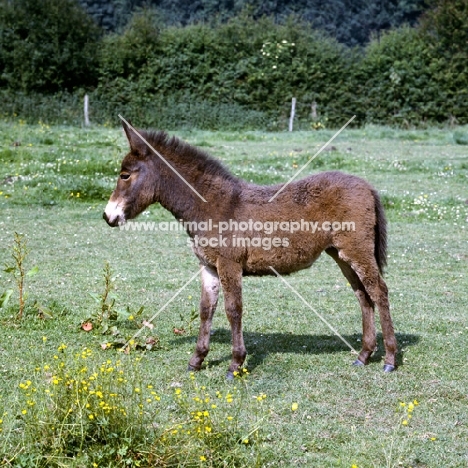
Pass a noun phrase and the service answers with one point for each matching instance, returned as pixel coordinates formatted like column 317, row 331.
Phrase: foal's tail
column 380, row 233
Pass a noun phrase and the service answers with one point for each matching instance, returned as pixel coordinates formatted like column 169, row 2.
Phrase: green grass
column 346, row 416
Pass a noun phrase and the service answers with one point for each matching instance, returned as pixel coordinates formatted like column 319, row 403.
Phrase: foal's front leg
column 230, row 275
column 208, row 302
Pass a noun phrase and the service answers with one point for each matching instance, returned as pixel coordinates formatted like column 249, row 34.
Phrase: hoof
column 192, row 369
column 229, row 375
column 358, row 363
column 388, row 368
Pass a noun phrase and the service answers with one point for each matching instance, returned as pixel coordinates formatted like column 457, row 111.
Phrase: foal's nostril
column 104, row 215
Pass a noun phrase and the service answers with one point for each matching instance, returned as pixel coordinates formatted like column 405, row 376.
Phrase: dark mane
column 188, row 154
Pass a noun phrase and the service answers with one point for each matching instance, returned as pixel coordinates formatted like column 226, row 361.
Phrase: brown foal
column 235, row 231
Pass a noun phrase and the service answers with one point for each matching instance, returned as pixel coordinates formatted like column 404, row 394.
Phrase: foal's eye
column 124, row 176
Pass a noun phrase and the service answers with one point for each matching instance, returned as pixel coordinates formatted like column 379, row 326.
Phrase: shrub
column 231, row 75
column 399, row 81
column 124, row 55
column 446, row 23
column 445, row 29
column 46, row 46
column 251, row 65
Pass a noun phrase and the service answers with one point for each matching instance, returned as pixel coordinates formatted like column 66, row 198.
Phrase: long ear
column 136, row 143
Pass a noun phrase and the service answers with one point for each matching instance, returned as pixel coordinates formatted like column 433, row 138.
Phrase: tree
column 351, row 22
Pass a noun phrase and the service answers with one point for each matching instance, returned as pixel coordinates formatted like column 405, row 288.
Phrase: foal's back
column 322, row 211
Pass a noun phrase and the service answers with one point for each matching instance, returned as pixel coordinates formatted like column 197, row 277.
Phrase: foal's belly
column 259, row 256
column 283, row 261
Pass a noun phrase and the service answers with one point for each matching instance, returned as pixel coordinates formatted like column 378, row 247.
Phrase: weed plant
column 81, row 409
column 17, row 269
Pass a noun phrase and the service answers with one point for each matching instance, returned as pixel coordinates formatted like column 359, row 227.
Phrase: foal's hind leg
column 369, row 339
column 368, row 272
column 208, row 302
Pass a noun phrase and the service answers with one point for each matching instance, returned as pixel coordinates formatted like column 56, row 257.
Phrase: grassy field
column 67, row 401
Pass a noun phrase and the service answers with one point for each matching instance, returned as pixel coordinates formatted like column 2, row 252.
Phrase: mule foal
column 160, row 169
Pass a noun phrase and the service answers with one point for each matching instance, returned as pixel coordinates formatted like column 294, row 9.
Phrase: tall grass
column 182, row 112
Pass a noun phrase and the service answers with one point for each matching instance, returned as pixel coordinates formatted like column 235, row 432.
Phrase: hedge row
column 240, row 74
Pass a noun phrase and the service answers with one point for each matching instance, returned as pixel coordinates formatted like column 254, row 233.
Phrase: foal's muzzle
column 112, row 223
column 113, row 214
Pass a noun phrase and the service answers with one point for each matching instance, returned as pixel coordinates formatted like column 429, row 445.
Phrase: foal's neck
column 201, row 197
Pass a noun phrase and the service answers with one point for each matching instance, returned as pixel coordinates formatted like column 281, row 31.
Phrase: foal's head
column 137, row 186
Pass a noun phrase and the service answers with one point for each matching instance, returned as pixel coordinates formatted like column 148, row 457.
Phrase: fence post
column 293, row 111
column 86, row 114
column 313, row 111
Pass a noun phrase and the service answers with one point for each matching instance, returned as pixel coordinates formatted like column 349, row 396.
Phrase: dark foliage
column 235, row 73
column 351, row 22
column 46, row 46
